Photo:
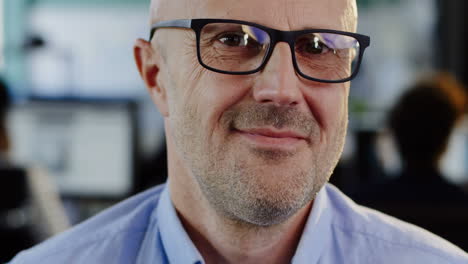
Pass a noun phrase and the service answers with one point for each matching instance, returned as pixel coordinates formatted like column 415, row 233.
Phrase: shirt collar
column 317, row 231
column 176, row 242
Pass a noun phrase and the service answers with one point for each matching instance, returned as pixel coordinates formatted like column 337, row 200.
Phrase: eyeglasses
column 240, row 47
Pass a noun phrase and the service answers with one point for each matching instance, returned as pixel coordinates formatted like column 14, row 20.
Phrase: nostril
column 266, row 101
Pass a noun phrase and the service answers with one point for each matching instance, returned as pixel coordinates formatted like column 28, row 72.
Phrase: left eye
column 316, row 48
column 312, row 46
column 233, row 39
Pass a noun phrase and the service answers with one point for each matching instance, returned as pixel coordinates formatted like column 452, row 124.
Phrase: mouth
column 272, row 138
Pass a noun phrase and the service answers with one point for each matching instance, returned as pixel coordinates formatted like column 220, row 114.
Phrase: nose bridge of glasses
column 285, row 37
column 278, row 36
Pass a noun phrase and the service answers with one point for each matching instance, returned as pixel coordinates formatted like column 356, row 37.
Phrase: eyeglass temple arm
column 178, row 23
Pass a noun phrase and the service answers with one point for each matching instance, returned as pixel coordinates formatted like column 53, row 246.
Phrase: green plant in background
column 358, row 106
column 367, row 3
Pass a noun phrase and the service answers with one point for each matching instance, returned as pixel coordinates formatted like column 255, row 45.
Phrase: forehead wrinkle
column 350, row 16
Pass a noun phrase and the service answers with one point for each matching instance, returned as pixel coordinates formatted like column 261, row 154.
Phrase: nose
column 278, row 82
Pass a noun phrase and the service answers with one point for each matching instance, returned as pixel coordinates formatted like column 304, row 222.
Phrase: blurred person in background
column 421, row 122
column 255, row 106
column 30, row 207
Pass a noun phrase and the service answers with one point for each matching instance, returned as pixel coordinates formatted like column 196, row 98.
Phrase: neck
column 222, row 240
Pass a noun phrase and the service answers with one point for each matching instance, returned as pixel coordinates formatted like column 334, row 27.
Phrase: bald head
column 285, row 14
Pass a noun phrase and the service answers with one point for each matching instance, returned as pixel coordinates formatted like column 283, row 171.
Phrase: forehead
column 279, row 14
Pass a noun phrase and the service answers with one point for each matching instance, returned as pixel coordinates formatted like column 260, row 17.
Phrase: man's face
column 260, row 146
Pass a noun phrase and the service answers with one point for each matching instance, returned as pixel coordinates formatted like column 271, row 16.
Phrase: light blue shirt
column 146, row 229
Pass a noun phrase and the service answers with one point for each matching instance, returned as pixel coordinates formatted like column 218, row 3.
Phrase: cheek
column 329, row 105
column 224, row 91
column 215, row 93
column 204, row 96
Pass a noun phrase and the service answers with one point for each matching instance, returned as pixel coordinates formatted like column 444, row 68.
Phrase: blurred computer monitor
column 88, row 147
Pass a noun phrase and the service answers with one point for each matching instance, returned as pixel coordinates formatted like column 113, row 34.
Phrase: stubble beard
column 255, row 195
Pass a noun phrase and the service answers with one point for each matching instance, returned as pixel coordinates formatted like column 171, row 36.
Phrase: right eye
column 233, row 39
column 311, row 45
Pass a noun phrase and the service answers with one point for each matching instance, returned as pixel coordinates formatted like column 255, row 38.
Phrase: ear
column 148, row 62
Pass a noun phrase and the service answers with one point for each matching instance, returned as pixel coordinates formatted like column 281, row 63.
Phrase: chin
column 272, row 209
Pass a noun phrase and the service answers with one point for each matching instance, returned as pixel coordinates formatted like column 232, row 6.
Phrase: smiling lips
column 271, row 138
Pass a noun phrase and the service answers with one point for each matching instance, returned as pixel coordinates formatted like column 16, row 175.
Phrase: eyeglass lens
column 234, row 47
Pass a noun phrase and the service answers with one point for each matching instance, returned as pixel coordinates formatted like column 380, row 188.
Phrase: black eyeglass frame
column 275, row 36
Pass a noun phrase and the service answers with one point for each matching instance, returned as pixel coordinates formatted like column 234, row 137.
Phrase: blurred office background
column 81, row 115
